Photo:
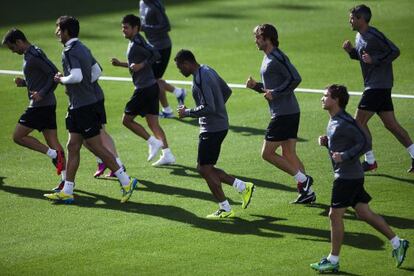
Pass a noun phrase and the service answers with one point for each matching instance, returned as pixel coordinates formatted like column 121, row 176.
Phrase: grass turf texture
column 163, row 230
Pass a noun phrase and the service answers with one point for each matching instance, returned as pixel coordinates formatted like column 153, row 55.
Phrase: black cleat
column 305, row 198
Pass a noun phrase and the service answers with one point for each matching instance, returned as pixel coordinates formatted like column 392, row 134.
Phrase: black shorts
column 144, row 101
column 39, row 118
column 348, row 192
column 282, row 128
column 160, row 65
column 100, row 108
column 376, row 100
column 84, row 120
column 209, row 145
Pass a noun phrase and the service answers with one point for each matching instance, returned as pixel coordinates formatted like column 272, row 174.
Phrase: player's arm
column 254, row 85
column 96, row 72
column 291, row 81
column 48, row 85
column 118, row 63
column 347, row 46
column 207, row 105
column 161, row 25
column 359, row 142
column 387, row 54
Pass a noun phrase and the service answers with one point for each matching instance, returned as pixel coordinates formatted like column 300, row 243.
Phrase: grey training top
column 38, row 72
column 155, row 23
column 77, row 55
column 280, row 76
column 140, row 51
column 210, row 93
column 346, row 137
column 377, row 75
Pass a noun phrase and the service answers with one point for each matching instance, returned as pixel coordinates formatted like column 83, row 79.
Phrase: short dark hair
column 132, row 20
column 339, row 92
column 361, row 11
column 267, row 31
column 12, row 36
column 185, row 55
column 70, row 24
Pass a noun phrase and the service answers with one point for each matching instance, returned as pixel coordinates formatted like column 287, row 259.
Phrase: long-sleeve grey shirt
column 210, row 93
column 140, row 51
column 155, row 23
column 77, row 56
column 279, row 75
column 379, row 74
column 38, row 72
column 347, row 138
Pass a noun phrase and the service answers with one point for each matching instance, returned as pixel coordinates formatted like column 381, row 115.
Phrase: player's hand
column 267, row 94
column 19, row 82
column 35, row 96
column 57, row 77
column 136, row 66
column 323, row 141
column 181, row 111
column 366, row 58
column 337, row 157
column 250, row 83
column 347, row 46
column 115, row 62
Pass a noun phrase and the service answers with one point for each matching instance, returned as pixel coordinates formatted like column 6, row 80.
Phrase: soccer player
column 346, row 141
column 279, row 79
column 144, row 101
column 375, row 53
column 38, row 73
column 82, row 119
column 155, row 25
column 210, row 94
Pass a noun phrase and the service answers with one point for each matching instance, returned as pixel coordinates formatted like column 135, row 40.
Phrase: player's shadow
column 186, row 171
column 396, row 222
column 28, row 11
column 400, row 179
column 264, row 226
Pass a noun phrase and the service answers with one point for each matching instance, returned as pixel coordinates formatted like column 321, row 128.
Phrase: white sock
column 98, row 160
column 178, row 91
column 51, row 153
column 300, row 177
column 68, row 187
column 333, row 259
column 167, row 109
column 122, row 177
column 152, row 140
column 166, row 151
column 225, row 205
column 118, row 160
column 239, row 185
column 369, row 157
column 411, row 150
column 395, row 242
column 63, row 175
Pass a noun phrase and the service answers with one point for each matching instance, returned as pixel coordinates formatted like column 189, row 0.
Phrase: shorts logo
column 86, row 130
column 336, row 204
column 22, row 121
column 204, row 138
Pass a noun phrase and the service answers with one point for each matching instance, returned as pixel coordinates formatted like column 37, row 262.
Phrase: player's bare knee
column 18, row 139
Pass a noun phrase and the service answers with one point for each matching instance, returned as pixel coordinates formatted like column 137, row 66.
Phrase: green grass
column 163, row 230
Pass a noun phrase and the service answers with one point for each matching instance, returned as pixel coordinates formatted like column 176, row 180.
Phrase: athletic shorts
column 39, row 118
column 100, row 108
column 209, row 145
column 159, row 66
column 84, row 120
column 144, row 101
column 348, row 192
column 376, row 100
column 282, row 128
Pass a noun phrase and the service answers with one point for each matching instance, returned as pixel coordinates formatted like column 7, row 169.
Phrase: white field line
column 232, row 85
